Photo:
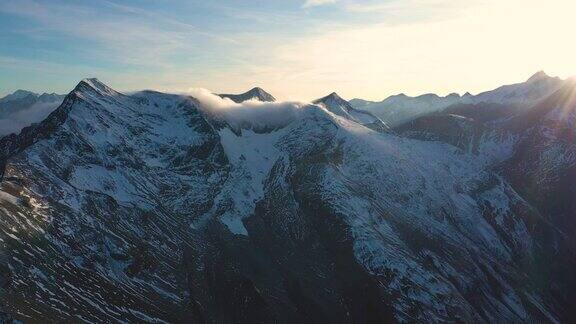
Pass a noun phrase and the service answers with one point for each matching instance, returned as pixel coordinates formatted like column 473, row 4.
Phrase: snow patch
column 252, row 156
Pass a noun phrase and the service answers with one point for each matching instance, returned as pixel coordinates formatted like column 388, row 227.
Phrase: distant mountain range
column 158, row 207
column 401, row 108
column 22, row 108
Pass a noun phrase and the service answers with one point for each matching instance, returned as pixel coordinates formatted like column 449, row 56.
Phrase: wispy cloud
column 14, row 122
column 121, row 33
column 315, row 3
column 367, row 48
column 409, row 11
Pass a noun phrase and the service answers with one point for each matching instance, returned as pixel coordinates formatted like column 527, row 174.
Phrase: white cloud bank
column 251, row 114
column 14, row 122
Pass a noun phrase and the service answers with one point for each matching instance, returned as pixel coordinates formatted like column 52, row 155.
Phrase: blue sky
column 298, row 49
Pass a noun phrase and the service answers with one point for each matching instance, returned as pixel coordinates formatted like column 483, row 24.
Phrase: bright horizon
column 293, row 49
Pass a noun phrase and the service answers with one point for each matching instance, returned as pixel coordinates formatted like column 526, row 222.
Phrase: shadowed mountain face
column 149, row 208
column 544, row 161
column 534, row 148
column 253, row 94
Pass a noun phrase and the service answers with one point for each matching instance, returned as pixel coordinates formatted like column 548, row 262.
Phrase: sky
column 295, row 49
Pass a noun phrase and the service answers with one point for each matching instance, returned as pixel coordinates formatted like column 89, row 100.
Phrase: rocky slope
column 153, row 208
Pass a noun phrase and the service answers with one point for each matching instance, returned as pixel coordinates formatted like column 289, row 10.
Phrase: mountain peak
column 334, row 101
column 334, row 97
column 18, row 94
column 95, row 85
column 254, row 93
column 261, row 94
column 540, row 75
column 21, row 92
column 257, row 89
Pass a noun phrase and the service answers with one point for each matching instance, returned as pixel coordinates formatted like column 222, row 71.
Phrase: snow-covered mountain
column 22, row 108
column 398, row 109
column 156, row 207
column 537, row 87
column 401, row 108
column 340, row 107
column 534, row 149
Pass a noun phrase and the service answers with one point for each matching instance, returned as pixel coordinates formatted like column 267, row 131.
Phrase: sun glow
column 359, row 48
column 475, row 49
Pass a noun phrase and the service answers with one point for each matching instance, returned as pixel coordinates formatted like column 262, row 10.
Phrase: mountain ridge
column 398, row 109
column 148, row 209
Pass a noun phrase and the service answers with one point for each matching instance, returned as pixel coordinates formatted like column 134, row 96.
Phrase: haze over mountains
column 22, row 108
column 205, row 208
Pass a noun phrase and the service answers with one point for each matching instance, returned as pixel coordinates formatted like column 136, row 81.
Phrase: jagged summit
column 254, row 93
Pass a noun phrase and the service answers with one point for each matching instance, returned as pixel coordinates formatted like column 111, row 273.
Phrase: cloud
column 14, row 122
column 315, row 3
column 252, row 114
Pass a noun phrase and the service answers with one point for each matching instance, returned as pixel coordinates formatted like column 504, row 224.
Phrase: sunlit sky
column 297, row 49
